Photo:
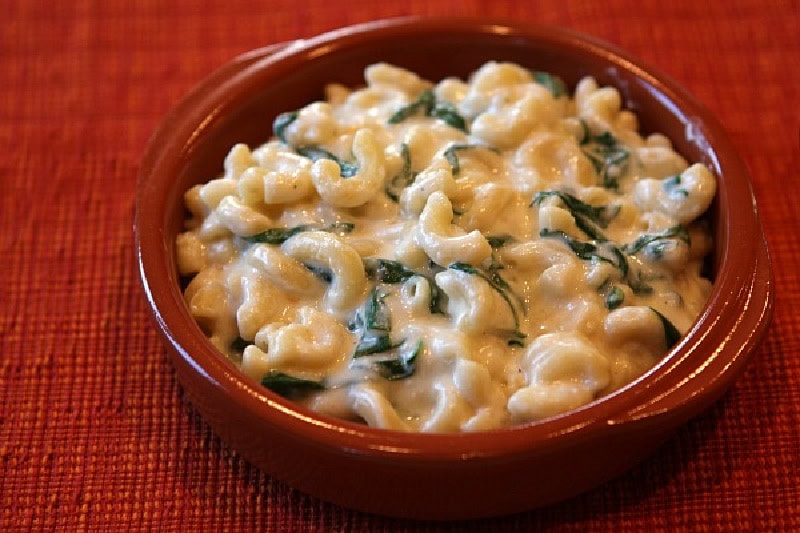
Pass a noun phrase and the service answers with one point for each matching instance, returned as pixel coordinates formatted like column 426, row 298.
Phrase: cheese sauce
column 462, row 256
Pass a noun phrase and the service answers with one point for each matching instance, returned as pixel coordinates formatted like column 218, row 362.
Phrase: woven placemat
column 94, row 433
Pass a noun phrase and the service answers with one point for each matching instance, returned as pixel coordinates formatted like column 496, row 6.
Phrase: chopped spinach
column 376, row 324
column 498, row 241
column 282, row 122
column 447, row 113
column 672, row 186
column 404, row 365
column 588, row 251
column 387, row 271
column 281, row 235
column 586, row 216
column 376, row 314
column 671, row 333
column 287, row 385
column 451, row 154
column 314, row 153
column 553, row 83
column 424, row 102
column 322, row 273
column 608, row 156
column 427, row 104
column 678, row 232
column 498, row 284
column 437, row 305
column 372, row 343
column 404, row 178
column 614, row 298
column 393, row 272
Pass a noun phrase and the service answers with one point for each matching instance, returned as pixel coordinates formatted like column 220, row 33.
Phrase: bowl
column 447, row 476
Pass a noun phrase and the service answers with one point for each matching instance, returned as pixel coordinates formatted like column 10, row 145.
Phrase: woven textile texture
column 94, row 432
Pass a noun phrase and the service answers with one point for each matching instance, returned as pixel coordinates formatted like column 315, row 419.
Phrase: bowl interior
column 240, row 107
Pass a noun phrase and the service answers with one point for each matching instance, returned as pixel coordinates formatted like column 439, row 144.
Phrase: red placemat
column 94, row 433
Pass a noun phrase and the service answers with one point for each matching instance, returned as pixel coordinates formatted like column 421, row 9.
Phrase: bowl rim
column 664, row 392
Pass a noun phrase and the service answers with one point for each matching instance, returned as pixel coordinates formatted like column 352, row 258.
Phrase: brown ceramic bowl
column 447, row 475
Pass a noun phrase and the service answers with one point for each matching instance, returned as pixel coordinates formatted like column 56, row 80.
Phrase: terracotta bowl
column 447, row 476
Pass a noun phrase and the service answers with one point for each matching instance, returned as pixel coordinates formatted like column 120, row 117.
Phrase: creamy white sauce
column 537, row 263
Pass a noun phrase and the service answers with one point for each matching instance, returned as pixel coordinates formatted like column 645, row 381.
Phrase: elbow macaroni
column 459, row 256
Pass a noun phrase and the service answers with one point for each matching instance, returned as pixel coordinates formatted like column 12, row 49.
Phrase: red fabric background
column 94, row 434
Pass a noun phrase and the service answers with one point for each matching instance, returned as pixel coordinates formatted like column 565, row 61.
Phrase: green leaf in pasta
column 647, row 239
column 403, row 365
column 376, row 323
column 672, row 186
column 424, row 102
column 498, row 241
column 387, row 271
column 427, row 105
column 451, row 154
column 321, row 273
column 281, row 235
column 447, row 113
column 286, row 385
column 614, row 298
column 498, row 284
column 376, row 313
column 591, row 252
column 404, row 178
column 314, row 153
column 586, row 216
column 608, row 156
column 372, row 343
column 282, row 122
column 553, row 83
column 671, row 333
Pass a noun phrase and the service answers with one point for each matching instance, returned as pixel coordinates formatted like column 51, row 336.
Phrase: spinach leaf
column 376, row 324
column 636, row 246
column 586, row 216
column 387, row 271
column 404, row 178
column 376, row 314
column 614, row 298
column 372, row 343
column 671, row 333
column 437, row 305
column 588, row 251
column 451, row 154
column 498, row 284
column 282, row 122
column 608, row 156
column 287, row 385
column 322, row 273
column 281, row 235
column 447, row 113
column 672, row 186
column 404, row 365
column 426, row 103
column 498, row 241
column 553, row 83
column 347, row 168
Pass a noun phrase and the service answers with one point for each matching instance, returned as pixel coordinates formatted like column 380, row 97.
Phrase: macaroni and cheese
column 448, row 257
